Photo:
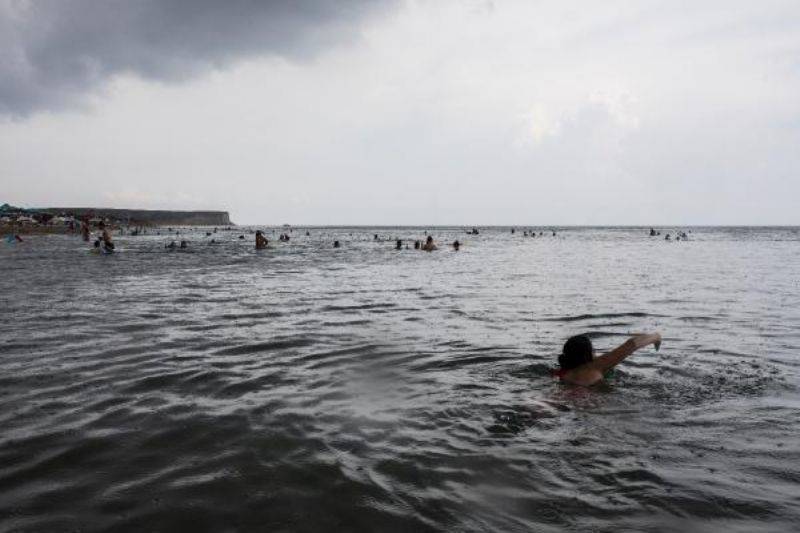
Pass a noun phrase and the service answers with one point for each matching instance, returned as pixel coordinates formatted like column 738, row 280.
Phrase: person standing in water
column 261, row 241
column 429, row 246
column 105, row 236
column 579, row 366
column 84, row 231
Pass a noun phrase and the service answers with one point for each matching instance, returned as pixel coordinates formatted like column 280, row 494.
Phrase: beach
column 362, row 388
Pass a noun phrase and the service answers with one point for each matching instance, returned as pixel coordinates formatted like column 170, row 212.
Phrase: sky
column 386, row 112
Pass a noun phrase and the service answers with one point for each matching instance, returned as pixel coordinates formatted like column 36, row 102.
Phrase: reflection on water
column 308, row 388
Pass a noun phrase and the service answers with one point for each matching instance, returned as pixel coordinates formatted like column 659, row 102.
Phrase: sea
column 307, row 388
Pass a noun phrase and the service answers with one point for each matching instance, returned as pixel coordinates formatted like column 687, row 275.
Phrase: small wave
column 577, row 318
column 269, row 346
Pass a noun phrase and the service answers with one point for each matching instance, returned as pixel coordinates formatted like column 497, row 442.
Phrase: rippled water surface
column 307, row 388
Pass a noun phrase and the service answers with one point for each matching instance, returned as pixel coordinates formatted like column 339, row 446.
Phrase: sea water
column 363, row 388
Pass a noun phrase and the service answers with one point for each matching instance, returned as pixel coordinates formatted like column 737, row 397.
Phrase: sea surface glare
column 306, row 388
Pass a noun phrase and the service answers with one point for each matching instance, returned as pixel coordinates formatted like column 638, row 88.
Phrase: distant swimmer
column 171, row 246
column 241, row 237
column 308, row 234
column 554, row 234
column 184, row 245
column 416, row 245
column 524, row 233
column 84, row 231
column 579, row 366
column 513, row 231
column 456, row 245
column 376, row 237
column 652, row 232
column 261, row 241
column 106, row 237
column 429, row 246
column 335, row 244
column 667, row 237
column 398, row 245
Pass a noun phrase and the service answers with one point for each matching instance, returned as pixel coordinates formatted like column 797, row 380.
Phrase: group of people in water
column 428, row 246
column 679, row 235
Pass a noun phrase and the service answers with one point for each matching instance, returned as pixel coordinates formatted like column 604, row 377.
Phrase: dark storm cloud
column 53, row 52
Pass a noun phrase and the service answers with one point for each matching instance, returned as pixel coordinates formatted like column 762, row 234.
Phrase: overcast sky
column 406, row 112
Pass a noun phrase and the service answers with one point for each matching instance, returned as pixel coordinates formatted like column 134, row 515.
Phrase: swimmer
column 399, row 245
column 84, row 231
column 171, row 245
column 456, row 245
column 513, row 230
column 261, row 241
column 429, row 246
column 579, row 366
column 335, row 244
column 184, row 245
column 416, row 245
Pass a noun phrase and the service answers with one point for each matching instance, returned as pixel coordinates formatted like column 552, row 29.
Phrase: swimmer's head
column 577, row 351
column 429, row 239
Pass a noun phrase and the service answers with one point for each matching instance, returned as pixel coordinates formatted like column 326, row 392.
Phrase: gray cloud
column 55, row 52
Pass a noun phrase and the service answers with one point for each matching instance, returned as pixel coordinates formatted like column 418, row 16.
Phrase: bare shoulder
column 584, row 375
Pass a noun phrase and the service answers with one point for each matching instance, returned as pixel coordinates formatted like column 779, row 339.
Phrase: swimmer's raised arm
column 618, row 354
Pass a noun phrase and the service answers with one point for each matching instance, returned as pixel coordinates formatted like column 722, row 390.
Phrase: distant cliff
column 145, row 217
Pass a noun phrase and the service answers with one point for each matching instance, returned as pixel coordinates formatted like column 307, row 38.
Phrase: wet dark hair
column 577, row 351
